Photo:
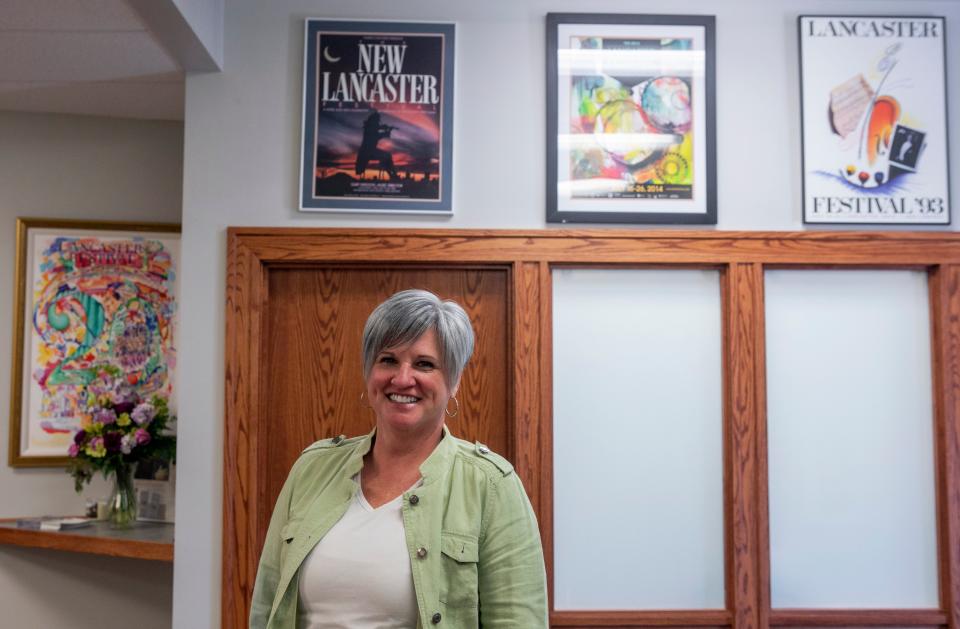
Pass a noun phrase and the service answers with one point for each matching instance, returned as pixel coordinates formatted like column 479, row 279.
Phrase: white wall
column 206, row 19
column 242, row 134
column 55, row 166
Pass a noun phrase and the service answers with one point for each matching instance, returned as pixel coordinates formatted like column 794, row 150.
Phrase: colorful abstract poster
column 634, row 120
column 378, row 117
column 874, row 120
column 99, row 308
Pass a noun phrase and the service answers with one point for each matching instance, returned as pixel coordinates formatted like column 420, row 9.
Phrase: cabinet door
column 314, row 375
column 850, row 436
column 637, row 440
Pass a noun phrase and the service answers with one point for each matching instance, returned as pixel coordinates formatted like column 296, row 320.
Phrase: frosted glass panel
column 850, row 439
column 637, row 434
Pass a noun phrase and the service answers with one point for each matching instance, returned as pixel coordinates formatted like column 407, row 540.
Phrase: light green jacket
column 483, row 562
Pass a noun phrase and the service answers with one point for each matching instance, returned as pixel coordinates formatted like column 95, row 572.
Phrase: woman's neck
column 393, row 464
column 393, row 448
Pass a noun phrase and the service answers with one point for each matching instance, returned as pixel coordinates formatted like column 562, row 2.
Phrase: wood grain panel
column 314, row 365
column 742, row 318
column 616, row 246
column 762, row 486
column 292, row 293
column 241, row 505
column 545, row 515
column 945, row 328
column 653, row 618
column 857, row 617
column 526, row 377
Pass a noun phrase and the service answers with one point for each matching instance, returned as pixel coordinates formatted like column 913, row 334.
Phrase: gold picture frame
column 136, row 260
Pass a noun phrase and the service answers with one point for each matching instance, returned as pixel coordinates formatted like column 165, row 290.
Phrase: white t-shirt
column 358, row 576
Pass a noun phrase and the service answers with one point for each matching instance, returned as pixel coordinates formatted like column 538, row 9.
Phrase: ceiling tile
column 93, row 57
column 132, row 99
column 69, row 15
column 48, row 56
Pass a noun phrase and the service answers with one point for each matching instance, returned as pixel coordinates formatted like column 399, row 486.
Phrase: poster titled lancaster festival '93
column 874, row 120
column 377, row 117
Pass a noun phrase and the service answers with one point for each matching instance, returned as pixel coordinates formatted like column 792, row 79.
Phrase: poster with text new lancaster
column 378, row 117
column 874, row 120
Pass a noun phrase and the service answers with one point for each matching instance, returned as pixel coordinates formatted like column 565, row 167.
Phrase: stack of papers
column 54, row 523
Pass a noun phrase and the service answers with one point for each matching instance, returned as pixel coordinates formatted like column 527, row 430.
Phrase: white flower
column 144, row 413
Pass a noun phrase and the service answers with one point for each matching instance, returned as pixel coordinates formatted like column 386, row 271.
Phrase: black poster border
column 376, row 203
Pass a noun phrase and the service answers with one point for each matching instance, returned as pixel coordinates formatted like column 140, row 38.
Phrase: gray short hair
column 406, row 316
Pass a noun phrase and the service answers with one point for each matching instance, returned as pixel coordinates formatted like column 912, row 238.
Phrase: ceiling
column 95, row 57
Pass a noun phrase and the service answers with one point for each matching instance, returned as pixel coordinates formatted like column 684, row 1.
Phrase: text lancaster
column 379, row 79
column 878, row 205
column 840, row 27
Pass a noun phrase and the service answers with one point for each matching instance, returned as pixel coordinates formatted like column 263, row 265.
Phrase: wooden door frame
column 530, row 257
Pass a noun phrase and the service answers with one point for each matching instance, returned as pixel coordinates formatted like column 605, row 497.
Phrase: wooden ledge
column 146, row 540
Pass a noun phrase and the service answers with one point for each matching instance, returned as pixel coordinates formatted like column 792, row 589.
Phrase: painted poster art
column 874, row 120
column 377, row 116
column 635, row 130
column 630, row 118
column 100, row 311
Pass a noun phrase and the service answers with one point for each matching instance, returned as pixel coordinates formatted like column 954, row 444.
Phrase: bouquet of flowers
column 120, row 430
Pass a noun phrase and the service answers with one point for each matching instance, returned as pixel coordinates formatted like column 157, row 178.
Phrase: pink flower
column 74, row 450
column 143, row 437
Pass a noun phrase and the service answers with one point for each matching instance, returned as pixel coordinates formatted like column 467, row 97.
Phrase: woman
column 408, row 526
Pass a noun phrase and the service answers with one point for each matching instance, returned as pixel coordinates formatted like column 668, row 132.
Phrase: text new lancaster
column 378, row 78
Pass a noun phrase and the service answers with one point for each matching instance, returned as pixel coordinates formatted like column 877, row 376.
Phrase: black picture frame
column 647, row 163
column 377, row 132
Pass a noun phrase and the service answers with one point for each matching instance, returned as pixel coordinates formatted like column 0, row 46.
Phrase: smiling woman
column 408, row 392
column 407, row 526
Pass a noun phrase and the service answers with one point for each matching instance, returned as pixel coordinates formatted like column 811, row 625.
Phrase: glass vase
column 122, row 508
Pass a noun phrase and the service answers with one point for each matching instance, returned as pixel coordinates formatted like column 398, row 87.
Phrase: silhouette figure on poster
column 373, row 132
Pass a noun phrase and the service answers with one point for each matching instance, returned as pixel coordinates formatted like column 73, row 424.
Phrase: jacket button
column 484, row 450
column 436, row 619
column 421, row 552
column 414, row 499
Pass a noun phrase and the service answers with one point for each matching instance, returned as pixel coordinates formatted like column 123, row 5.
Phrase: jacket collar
column 430, row 470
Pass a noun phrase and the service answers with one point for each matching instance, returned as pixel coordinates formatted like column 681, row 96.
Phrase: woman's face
column 407, row 388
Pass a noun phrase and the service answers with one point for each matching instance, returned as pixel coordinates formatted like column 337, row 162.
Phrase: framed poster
column 377, row 117
column 631, row 132
column 154, row 482
column 874, row 119
column 95, row 308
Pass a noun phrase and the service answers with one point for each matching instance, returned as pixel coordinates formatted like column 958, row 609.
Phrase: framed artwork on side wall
column 377, row 117
column 154, row 482
column 95, row 309
column 631, row 123
column 874, row 119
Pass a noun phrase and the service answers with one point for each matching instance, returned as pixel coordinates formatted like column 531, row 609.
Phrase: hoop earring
column 363, row 403
column 456, row 412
